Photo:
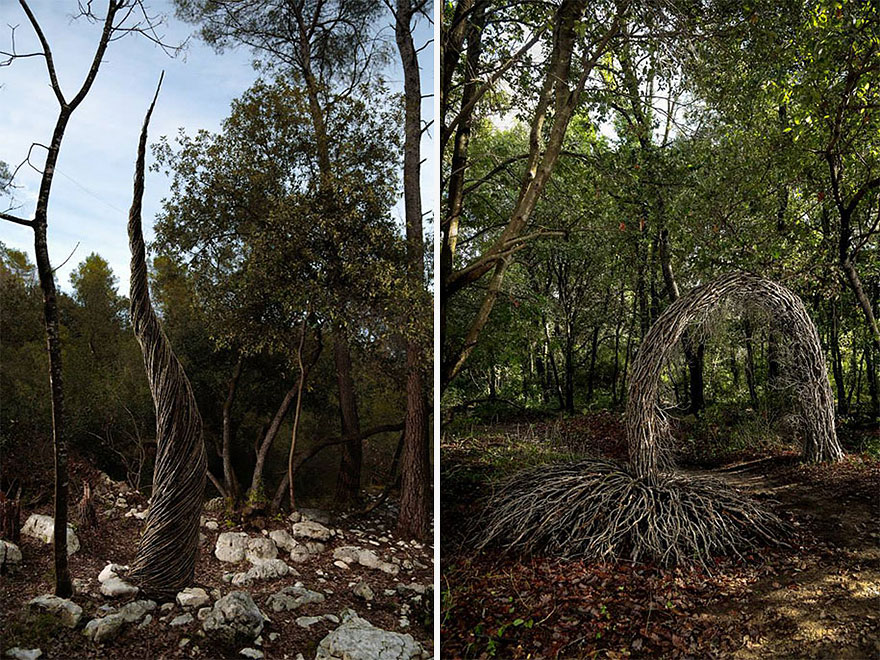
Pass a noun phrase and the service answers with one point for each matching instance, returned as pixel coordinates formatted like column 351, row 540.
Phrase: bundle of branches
column 597, row 510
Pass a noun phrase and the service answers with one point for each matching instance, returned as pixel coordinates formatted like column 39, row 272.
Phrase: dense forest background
column 740, row 136
column 283, row 273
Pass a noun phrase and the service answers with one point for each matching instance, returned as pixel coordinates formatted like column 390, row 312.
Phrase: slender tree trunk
column 348, row 484
column 230, row 482
column 837, row 360
column 63, row 585
column 569, row 370
column 458, row 163
column 873, row 388
column 413, row 518
column 297, row 410
column 750, row 364
column 591, row 374
column 269, row 438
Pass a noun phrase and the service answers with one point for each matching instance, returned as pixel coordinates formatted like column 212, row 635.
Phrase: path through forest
column 826, row 604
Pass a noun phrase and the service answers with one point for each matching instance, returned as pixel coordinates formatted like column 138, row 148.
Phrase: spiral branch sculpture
column 166, row 555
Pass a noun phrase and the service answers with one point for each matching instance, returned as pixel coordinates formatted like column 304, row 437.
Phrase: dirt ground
column 115, row 540
column 818, row 598
column 828, row 604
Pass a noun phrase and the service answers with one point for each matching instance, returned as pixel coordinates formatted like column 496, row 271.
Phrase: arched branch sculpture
column 647, row 428
column 166, row 555
column 597, row 509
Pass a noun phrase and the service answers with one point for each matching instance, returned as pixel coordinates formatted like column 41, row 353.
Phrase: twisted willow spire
column 166, row 555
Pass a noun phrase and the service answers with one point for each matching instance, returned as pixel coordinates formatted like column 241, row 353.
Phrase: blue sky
column 91, row 192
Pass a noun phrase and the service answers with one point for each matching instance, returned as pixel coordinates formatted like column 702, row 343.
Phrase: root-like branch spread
column 597, row 510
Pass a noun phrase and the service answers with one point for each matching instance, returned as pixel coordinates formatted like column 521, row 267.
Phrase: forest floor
column 820, row 598
column 394, row 607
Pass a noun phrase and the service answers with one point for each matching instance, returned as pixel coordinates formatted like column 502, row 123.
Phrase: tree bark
column 348, row 484
column 837, row 361
column 268, row 439
column 413, row 518
column 230, row 482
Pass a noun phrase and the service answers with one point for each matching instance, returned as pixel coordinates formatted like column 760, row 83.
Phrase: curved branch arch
column 647, row 427
column 166, row 555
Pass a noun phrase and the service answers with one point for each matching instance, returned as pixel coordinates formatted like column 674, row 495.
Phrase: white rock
column 347, row 553
column 136, row 609
column 315, row 548
column 307, row 621
column 116, row 588
column 181, row 620
column 363, row 590
column 10, row 559
column 42, row 528
column 23, row 654
column 283, row 540
column 231, row 547
column 147, row 621
column 299, row 554
column 260, row 548
column 251, row 653
column 100, row 630
column 290, row 598
column 193, row 597
column 266, row 569
column 212, row 525
column 341, row 564
column 68, row 612
column 358, row 639
column 203, row 613
column 311, row 531
column 111, row 571
column 368, row 558
column 235, row 619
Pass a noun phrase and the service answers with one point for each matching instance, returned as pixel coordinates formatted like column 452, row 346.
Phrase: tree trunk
column 166, row 556
column 348, row 484
column 591, row 374
column 266, row 444
column 230, row 482
column 569, row 370
column 303, row 373
column 873, row 388
column 63, row 585
column 837, row 361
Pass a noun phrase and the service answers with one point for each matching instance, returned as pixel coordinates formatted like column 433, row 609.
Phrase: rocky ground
column 307, row 586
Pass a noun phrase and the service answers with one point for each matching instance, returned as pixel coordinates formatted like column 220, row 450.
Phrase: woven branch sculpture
column 599, row 510
column 647, row 427
column 166, row 555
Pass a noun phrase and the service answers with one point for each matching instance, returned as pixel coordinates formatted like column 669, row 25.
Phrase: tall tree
column 578, row 41
column 414, row 513
column 121, row 18
column 265, row 244
column 329, row 47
